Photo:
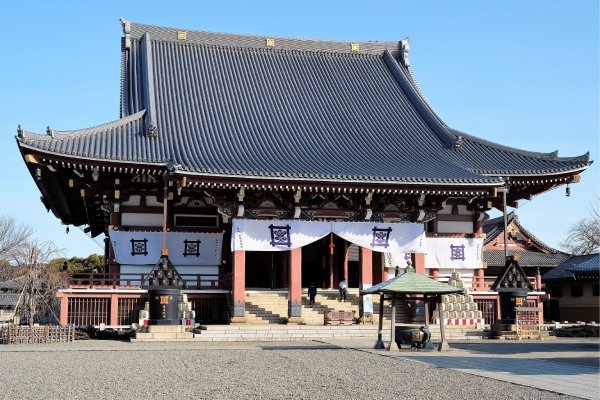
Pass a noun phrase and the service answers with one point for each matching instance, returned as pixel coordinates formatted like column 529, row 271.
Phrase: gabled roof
column 512, row 278
column 232, row 106
column 494, row 228
column 545, row 257
column 588, row 265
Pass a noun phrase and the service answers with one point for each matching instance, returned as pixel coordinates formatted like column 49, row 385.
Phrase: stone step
column 272, row 307
column 250, row 332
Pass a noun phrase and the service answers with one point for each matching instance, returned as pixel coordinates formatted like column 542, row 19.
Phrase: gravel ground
column 301, row 370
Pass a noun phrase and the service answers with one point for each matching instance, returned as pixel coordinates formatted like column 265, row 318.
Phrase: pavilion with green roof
column 404, row 285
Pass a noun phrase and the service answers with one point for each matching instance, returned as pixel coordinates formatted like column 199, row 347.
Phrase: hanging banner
column 454, row 253
column 383, row 237
column 367, row 301
column 393, row 260
column 281, row 235
column 275, row 235
column 185, row 248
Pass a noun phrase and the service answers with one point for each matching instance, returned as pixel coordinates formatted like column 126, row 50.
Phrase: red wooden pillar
column 239, row 287
column 479, row 279
column 114, row 310
column 435, row 274
column 418, row 261
column 64, row 309
column 498, row 313
column 366, row 281
column 295, row 287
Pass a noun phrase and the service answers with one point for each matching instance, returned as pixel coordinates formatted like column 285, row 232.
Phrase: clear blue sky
column 521, row 73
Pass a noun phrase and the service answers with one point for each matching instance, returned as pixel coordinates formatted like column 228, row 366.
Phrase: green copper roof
column 411, row 283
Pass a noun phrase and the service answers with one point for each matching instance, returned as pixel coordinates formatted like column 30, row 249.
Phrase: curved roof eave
column 566, row 170
column 326, row 179
column 52, row 134
column 91, row 160
column 548, row 156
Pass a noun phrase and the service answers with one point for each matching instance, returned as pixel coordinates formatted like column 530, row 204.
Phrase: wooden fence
column 16, row 334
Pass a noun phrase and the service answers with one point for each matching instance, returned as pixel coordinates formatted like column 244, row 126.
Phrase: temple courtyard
column 331, row 369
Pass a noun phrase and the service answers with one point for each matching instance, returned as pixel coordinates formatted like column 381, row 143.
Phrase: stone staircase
column 266, row 307
column 271, row 307
column 276, row 332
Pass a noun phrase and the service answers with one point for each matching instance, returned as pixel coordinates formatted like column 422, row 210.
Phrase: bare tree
column 584, row 235
column 12, row 235
column 41, row 279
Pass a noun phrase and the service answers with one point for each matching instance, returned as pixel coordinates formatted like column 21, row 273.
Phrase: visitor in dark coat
column 312, row 293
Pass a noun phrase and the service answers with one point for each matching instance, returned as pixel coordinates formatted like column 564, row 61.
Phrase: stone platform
column 163, row 333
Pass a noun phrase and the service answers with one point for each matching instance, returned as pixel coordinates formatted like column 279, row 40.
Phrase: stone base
column 163, row 333
column 295, row 320
column 238, row 320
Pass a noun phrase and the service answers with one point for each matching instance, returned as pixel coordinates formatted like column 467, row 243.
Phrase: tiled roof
column 494, row 227
column 495, row 258
column 228, row 105
column 585, row 265
column 8, row 300
column 13, row 284
column 411, row 283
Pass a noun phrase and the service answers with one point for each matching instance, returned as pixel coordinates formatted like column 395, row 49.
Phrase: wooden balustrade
column 136, row 281
column 478, row 284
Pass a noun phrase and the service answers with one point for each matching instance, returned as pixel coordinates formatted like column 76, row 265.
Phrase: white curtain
column 275, row 235
column 281, row 235
column 454, row 253
column 185, row 248
column 383, row 237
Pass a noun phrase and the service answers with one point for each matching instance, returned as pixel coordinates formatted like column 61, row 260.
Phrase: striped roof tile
column 229, row 105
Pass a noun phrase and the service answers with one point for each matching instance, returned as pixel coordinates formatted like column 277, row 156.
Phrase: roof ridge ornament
column 458, row 142
column 152, row 131
column 126, row 31
column 405, row 46
column 19, row 131
column 50, row 131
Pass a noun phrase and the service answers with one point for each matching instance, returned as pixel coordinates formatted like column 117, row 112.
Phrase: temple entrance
column 265, row 269
column 268, row 269
column 312, row 264
column 353, row 266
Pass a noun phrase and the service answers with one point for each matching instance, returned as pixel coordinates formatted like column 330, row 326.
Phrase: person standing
column 312, row 293
column 343, row 289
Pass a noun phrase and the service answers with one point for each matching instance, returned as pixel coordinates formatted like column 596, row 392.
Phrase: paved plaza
column 569, row 367
column 318, row 369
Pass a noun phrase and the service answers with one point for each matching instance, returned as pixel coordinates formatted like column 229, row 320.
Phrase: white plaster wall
column 455, row 226
column 152, row 202
column 462, row 210
column 134, row 200
column 141, row 219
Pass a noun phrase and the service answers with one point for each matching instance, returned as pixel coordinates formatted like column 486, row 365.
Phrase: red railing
column 479, row 284
column 130, row 280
